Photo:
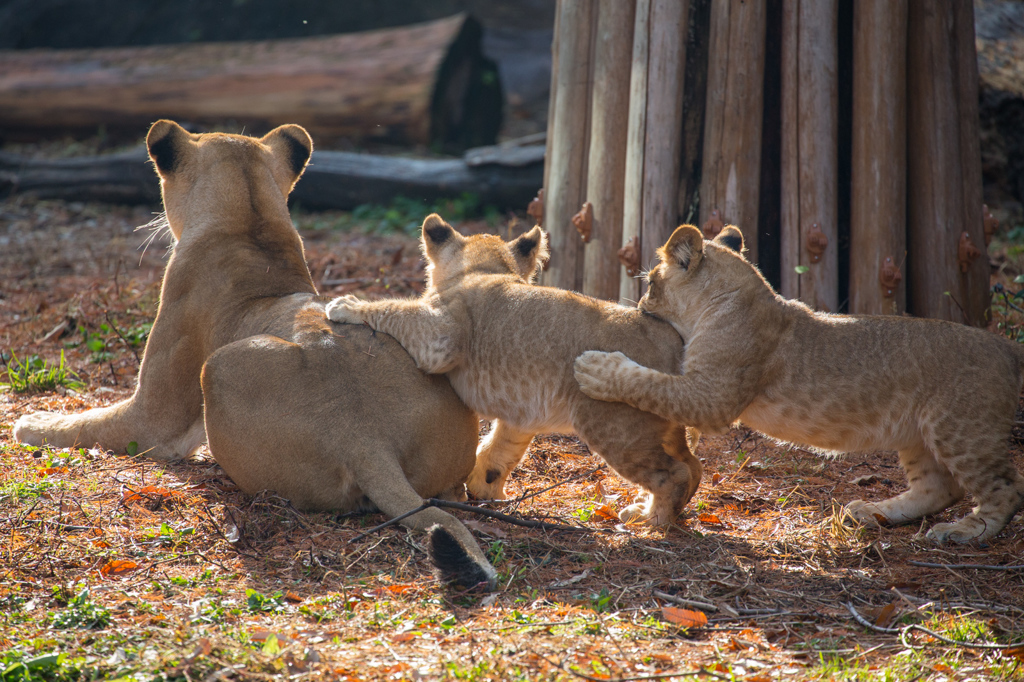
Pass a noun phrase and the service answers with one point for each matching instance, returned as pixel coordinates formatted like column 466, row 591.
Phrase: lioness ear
column 436, row 234
column 167, row 143
column 684, row 248
column 530, row 251
column 293, row 145
column 730, row 237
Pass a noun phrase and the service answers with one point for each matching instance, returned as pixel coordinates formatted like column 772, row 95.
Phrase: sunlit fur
column 944, row 395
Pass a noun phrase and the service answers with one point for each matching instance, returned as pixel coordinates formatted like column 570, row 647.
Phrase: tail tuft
column 453, row 564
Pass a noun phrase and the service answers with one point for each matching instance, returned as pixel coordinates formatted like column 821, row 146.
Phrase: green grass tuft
column 35, row 375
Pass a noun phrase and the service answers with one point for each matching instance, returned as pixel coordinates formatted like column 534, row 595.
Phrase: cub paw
column 866, row 513
column 33, row 429
column 963, row 531
column 634, row 513
column 600, row 374
column 484, row 484
column 345, row 309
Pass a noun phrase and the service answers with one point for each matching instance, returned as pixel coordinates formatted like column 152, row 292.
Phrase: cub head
column 450, row 256
column 216, row 175
column 693, row 273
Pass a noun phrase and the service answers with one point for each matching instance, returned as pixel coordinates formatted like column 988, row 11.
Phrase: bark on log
column 810, row 153
column 425, row 84
column 878, row 204
column 730, row 180
column 569, row 140
column 607, row 157
column 944, row 177
column 333, row 180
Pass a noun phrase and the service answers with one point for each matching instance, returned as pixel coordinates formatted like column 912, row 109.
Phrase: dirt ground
column 181, row 576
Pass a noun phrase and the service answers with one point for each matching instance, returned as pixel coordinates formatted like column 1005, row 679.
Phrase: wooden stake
column 946, row 279
column 569, row 134
column 810, row 153
column 730, row 181
column 878, row 204
column 607, row 158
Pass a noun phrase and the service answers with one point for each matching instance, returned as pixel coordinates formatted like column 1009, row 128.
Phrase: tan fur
column 942, row 394
column 508, row 346
column 329, row 420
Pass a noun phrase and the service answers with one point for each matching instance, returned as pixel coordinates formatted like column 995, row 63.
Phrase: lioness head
column 451, row 256
column 692, row 272
column 205, row 177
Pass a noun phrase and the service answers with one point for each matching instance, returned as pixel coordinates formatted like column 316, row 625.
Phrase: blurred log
column 878, row 204
column 730, row 181
column 654, row 132
column 333, row 180
column 948, row 278
column 424, row 84
column 568, row 140
column 810, row 153
column 607, row 157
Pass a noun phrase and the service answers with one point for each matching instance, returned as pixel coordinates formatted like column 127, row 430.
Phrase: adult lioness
column 326, row 416
column 942, row 394
column 508, row 347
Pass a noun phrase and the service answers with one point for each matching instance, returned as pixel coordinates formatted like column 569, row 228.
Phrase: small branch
column 124, row 340
column 980, row 567
column 902, row 632
column 634, row 678
column 685, row 602
column 433, row 502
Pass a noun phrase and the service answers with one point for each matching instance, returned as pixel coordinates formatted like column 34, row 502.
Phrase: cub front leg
column 428, row 333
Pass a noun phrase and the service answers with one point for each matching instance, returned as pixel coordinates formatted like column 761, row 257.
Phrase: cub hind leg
column 932, row 488
column 646, row 450
column 982, row 466
column 499, row 453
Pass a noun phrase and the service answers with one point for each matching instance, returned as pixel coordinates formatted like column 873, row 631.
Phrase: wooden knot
column 583, row 221
column 629, row 256
column 889, row 277
column 713, row 225
column 536, row 208
column 966, row 252
column 817, row 242
column 989, row 222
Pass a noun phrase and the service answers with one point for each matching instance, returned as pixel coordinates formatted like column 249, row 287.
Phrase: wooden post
column 569, row 132
column 878, row 204
column 947, row 272
column 654, row 132
column 810, row 153
column 730, row 181
column 607, row 159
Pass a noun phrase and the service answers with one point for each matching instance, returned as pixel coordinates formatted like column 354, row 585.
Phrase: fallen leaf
column 115, row 568
column 292, row 597
column 716, row 479
column 607, row 513
column 403, row 637
column 148, row 493
column 684, row 618
column 52, row 470
column 886, row 615
column 1015, row 652
column 571, row 581
column 867, row 479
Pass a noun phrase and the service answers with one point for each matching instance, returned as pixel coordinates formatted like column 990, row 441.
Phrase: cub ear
column 684, row 248
column 293, row 145
column 437, row 234
column 530, row 251
column 167, row 143
column 730, row 237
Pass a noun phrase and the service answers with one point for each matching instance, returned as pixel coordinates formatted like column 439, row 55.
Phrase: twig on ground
column 433, row 502
column 902, row 632
column 981, row 567
column 685, row 602
column 138, row 361
column 633, row 678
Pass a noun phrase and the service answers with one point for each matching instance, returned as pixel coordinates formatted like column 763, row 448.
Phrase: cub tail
column 454, row 563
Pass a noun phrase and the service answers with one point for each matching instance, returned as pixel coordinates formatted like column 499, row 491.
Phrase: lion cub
column 942, row 394
column 508, row 347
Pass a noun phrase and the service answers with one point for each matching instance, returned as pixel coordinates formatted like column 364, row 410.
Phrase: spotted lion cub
column 508, row 346
column 942, row 394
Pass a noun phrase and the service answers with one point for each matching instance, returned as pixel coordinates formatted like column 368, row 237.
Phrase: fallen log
column 333, row 180
column 423, row 84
